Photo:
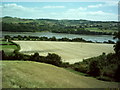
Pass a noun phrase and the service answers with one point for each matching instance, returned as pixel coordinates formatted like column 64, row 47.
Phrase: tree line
column 36, row 38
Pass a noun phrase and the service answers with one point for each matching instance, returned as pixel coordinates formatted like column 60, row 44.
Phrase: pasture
column 8, row 47
column 69, row 51
column 28, row 74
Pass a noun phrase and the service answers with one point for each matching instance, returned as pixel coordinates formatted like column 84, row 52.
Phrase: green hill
column 26, row 74
column 59, row 26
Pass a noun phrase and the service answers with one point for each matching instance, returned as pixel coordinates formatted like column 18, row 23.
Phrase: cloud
column 19, row 11
column 77, row 9
column 58, row 0
column 13, row 6
column 54, row 7
column 111, row 3
column 95, row 6
column 16, row 10
column 90, row 15
column 81, row 8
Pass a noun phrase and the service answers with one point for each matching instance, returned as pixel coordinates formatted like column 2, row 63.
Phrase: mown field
column 69, row 51
column 27, row 74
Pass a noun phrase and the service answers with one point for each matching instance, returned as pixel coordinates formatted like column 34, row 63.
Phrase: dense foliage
column 117, row 46
column 104, row 67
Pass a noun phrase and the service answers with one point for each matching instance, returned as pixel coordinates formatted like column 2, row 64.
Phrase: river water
column 94, row 38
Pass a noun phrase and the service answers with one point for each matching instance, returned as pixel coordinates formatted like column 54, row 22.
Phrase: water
column 94, row 38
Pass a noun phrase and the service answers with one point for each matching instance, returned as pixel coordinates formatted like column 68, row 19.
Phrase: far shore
column 69, row 51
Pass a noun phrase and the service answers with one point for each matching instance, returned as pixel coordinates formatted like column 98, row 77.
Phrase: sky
column 95, row 11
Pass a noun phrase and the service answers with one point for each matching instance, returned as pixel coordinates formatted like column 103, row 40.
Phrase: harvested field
column 69, row 51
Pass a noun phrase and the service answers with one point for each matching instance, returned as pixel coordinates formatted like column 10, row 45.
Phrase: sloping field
column 26, row 74
column 69, row 51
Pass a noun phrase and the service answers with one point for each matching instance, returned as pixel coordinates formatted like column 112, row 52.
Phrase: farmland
column 27, row 74
column 69, row 51
column 8, row 47
column 85, row 27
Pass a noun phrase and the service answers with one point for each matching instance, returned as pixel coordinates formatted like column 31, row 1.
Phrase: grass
column 73, row 71
column 8, row 49
column 98, row 30
column 27, row 74
column 69, row 51
column 4, row 42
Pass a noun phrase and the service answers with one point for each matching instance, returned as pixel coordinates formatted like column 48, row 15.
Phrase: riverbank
column 69, row 51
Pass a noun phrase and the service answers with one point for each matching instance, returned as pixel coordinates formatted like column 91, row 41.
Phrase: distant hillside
column 59, row 26
column 26, row 74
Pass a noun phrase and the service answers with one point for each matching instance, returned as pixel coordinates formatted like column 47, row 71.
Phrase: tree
column 54, row 59
column 35, row 57
column 117, row 48
column 117, row 35
column 117, row 45
column 117, row 74
column 4, row 56
column 94, row 68
column 7, row 37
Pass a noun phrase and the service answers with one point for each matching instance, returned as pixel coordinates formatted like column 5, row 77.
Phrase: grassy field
column 98, row 30
column 7, row 48
column 69, row 51
column 26, row 74
column 4, row 42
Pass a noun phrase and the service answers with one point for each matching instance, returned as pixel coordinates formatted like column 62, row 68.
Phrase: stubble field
column 69, row 51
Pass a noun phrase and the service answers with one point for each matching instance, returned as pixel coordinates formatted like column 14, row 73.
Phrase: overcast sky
column 96, row 11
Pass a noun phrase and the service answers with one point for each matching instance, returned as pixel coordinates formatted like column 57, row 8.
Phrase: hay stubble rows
column 69, row 51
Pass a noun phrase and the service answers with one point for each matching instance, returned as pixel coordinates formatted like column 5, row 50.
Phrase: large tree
column 117, row 45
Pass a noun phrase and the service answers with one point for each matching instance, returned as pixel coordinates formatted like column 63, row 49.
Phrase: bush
column 104, row 78
column 65, row 64
column 117, row 74
column 35, row 57
column 53, row 59
column 17, row 56
column 94, row 68
column 81, row 68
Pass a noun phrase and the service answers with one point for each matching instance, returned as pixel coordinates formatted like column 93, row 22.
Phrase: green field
column 8, row 49
column 26, row 74
column 98, row 30
column 5, row 42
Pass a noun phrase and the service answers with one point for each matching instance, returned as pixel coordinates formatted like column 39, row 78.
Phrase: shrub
column 35, row 57
column 53, row 59
column 117, row 74
column 94, row 69
column 81, row 68
column 17, row 56
column 3, row 55
column 65, row 64
column 104, row 78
